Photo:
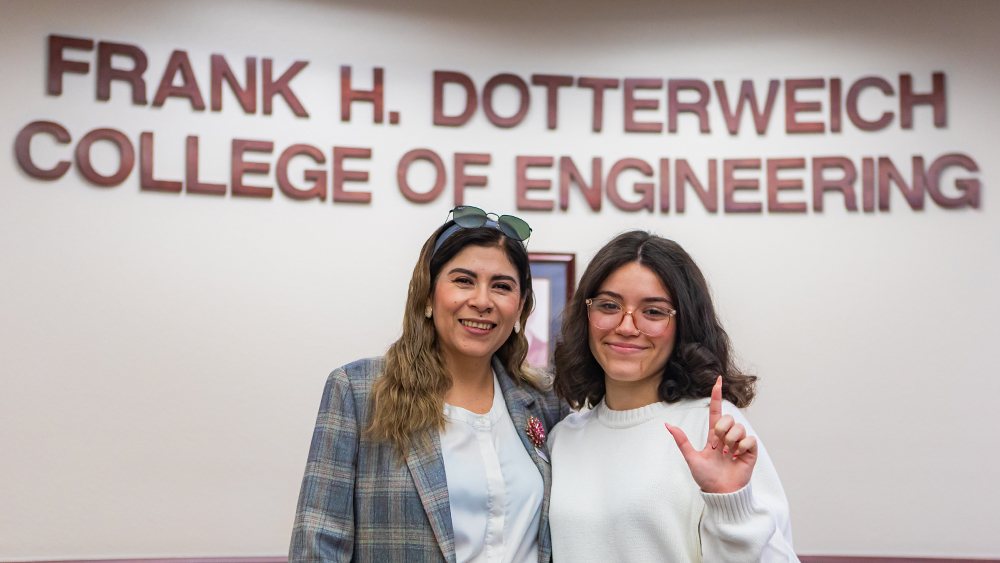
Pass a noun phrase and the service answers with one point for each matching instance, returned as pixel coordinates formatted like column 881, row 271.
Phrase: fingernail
column 714, row 447
column 734, row 458
column 725, row 450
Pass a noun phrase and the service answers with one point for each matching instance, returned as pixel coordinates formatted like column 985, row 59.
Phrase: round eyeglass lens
column 514, row 227
column 605, row 314
column 652, row 327
column 469, row 217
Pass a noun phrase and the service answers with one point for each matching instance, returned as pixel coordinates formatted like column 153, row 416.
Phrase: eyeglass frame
column 494, row 224
column 671, row 313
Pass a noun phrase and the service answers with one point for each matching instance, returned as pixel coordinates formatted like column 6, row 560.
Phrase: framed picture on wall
column 553, row 277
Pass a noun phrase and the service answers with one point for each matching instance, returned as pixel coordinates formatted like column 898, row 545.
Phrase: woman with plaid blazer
column 377, row 485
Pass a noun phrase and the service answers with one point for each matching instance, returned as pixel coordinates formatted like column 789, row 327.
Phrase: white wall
column 162, row 356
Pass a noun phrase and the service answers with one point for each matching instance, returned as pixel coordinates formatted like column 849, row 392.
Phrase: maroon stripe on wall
column 281, row 559
column 837, row 559
column 803, row 558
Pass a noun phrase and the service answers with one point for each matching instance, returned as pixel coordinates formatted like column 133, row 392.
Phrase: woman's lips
column 477, row 326
column 625, row 348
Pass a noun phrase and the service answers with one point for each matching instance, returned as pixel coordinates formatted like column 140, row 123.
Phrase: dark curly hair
column 701, row 350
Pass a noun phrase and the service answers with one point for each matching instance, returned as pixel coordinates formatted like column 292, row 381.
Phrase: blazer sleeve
column 324, row 518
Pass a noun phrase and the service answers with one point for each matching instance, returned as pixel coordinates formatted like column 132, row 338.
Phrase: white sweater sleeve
column 752, row 524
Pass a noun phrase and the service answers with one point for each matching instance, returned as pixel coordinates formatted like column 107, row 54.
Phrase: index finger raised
column 715, row 405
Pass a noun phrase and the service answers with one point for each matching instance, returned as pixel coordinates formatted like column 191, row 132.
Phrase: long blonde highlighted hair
column 408, row 398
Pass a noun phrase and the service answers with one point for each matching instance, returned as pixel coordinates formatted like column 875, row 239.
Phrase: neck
column 471, row 383
column 628, row 395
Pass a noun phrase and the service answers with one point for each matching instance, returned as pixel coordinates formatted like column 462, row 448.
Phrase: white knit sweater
column 621, row 491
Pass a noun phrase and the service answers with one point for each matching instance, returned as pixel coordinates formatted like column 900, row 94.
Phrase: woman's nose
column 480, row 299
column 627, row 326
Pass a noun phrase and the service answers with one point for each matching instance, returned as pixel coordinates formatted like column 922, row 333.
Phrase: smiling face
column 632, row 360
column 475, row 302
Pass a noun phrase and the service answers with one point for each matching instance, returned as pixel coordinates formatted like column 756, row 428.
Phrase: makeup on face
column 624, row 351
column 475, row 303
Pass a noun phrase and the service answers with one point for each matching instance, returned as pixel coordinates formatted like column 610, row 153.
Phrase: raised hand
column 726, row 463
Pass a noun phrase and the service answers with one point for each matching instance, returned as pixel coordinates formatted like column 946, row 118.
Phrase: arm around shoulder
column 324, row 517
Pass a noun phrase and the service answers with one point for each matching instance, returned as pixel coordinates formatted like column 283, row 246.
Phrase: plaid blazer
column 359, row 503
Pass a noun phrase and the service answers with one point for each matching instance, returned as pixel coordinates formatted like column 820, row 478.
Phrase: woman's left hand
column 726, row 463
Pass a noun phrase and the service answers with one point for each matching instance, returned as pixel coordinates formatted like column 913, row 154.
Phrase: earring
column 428, row 312
column 517, row 326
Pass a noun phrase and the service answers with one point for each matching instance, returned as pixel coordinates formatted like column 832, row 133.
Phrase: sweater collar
column 629, row 418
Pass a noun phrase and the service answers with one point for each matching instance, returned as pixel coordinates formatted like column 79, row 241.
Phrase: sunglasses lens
column 514, row 227
column 468, row 217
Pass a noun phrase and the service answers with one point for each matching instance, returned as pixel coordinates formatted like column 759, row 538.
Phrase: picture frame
column 553, row 276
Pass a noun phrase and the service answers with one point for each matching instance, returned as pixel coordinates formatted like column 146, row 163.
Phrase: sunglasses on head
column 469, row 217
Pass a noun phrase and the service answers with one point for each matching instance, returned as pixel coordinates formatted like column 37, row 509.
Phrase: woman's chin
column 474, row 350
column 624, row 371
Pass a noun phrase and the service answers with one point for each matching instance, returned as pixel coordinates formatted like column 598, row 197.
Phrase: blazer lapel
column 521, row 405
column 427, row 468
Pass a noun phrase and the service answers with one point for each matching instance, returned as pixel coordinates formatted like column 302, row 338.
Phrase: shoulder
column 574, row 421
column 533, row 389
column 366, row 369
column 360, row 373
column 695, row 411
column 354, row 379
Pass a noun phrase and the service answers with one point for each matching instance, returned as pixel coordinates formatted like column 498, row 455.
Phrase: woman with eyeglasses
column 436, row 452
column 663, row 466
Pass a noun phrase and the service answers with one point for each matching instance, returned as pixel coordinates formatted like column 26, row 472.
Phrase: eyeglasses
column 608, row 314
column 469, row 217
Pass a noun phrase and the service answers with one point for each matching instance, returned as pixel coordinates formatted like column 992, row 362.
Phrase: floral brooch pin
column 536, row 433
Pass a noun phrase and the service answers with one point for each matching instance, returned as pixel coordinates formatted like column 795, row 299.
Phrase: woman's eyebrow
column 614, row 295
column 463, row 271
column 504, row 277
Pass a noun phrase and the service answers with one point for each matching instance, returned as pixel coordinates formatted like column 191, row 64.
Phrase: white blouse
column 494, row 489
